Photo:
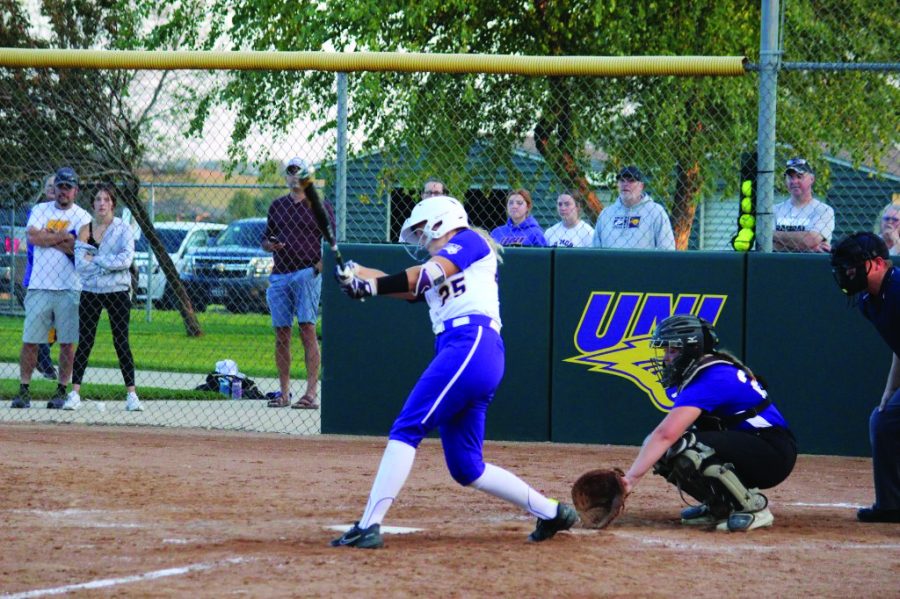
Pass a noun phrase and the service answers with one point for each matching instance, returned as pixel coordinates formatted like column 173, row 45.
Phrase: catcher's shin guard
column 747, row 500
column 689, row 465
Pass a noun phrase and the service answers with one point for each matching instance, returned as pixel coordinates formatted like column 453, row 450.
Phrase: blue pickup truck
column 234, row 272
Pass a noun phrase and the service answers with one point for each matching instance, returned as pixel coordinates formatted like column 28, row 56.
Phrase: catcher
column 722, row 441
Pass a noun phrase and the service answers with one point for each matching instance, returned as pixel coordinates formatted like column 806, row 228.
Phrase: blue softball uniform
column 725, row 390
column 454, row 392
column 761, row 448
column 883, row 311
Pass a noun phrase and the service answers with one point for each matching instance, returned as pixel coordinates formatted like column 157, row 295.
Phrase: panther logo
column 615, row 328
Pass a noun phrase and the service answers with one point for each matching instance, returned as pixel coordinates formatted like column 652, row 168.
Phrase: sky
column 213, row 143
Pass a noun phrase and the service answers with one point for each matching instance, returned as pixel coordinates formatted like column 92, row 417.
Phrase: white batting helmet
column 432, row 218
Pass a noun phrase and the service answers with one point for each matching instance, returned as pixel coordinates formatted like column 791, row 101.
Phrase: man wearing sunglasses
column 54, row 289
column 295, row 282
column 802, row 223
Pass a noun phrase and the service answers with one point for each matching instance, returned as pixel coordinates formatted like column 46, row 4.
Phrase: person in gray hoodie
column 634, row 221
column 104, row 252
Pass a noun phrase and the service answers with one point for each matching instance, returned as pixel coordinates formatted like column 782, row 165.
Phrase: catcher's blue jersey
column 725, row 390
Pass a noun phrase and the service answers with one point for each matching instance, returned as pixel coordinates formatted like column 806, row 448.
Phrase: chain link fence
column 213, row 258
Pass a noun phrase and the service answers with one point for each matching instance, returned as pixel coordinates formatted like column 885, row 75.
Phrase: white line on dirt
column 73, row 517
column 846, row 505
column 110, row 582
column 732, row 548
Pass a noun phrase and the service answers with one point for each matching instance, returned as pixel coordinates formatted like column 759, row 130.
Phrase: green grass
column 43, row 390
column 162, row 344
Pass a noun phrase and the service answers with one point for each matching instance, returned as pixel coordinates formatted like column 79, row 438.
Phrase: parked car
column 179, row 239
column 233, row 272
column 13, row 258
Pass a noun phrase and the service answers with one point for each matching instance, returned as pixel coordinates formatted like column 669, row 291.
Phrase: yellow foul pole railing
column 571, row 66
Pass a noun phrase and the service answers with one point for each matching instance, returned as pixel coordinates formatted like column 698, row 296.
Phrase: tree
column 82, row 118
column 688, row 132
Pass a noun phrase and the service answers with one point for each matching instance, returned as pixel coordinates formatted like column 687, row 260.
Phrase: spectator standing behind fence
column 434, row 187
column 571, row 231
column 44, row 361
column 802, row 223
column 54, row 289
column 520, row 229
column 634, row 221
column 104, row 252
column 863, row 270
column 888, row 226
column 295, row 284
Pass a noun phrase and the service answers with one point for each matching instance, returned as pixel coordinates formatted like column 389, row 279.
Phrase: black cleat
column 872, row 514
column 566, row 516
column 699, row 515
column 361, row 538
column 57, row 402
column 22, row 400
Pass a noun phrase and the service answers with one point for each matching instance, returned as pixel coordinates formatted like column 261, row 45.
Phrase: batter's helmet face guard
column 850, row 260
column 431, row 219
column 692, row 336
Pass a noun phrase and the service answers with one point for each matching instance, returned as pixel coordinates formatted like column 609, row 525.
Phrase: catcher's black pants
column 118, row 307
column 762, row 458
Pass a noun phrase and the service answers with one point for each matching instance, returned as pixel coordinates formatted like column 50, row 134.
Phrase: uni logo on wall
column 614, row 332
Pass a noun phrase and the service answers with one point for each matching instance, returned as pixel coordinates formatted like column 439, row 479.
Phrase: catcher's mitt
column 599, row 496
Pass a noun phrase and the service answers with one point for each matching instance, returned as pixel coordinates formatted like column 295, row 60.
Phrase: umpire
column 863, row 270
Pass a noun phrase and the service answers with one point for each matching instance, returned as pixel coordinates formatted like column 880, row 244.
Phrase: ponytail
column 495, row 247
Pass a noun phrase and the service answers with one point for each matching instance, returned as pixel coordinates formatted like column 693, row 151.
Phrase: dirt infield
column 136, row 512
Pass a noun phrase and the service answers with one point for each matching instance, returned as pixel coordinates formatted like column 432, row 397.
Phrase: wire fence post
column 341, row 178
column 151, row 258
column 769, row 56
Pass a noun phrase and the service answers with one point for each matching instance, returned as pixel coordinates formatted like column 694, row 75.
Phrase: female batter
column 459, row 283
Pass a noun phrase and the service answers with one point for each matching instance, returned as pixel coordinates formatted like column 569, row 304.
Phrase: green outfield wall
column 825, row 364
column 606, row 304
column 576, row 324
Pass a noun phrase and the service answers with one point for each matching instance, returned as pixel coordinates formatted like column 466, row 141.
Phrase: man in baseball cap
column 54, row 288
column 630, row 173
column 297, row 167
column 634, row 221
column 799, row 166
column 295, row 283
column 802, row 223
column 66, row 177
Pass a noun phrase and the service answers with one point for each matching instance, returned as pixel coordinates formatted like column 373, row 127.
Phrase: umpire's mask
column 850, row 257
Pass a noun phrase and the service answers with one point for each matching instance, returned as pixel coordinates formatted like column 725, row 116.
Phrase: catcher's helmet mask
column 850, row 260
column 692, row 335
